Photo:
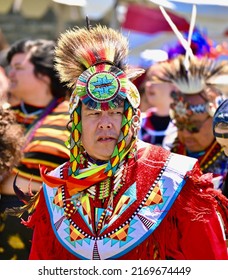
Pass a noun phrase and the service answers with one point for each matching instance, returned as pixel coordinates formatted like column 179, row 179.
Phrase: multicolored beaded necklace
column 109, row 186
column 104, row 191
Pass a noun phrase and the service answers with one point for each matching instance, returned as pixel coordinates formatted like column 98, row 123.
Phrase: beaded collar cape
column 94, row 226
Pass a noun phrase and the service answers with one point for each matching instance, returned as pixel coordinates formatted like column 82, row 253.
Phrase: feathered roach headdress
column 200, row 78
column 92, row 61
column 192, row 75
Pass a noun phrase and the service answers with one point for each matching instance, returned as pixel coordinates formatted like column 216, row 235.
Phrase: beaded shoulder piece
column 138, row 209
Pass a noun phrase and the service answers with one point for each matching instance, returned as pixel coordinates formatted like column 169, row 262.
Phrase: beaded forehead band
column 182, row 108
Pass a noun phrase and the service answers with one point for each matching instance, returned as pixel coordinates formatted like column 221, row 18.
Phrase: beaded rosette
column 102, row 87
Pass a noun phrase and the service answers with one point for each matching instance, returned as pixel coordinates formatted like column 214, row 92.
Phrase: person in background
column 11, row 143
column 117, row 197
column 4, row 85
column 155, row 122
column 6, row 99
column 192, row 110
column 43, row 112
column 220, row 131
column 156, row 127
column 147, row 58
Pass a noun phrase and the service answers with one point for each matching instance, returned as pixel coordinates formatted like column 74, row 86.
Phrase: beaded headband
column 182, row 108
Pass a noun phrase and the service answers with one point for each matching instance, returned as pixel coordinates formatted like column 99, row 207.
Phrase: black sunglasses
column 221, row 135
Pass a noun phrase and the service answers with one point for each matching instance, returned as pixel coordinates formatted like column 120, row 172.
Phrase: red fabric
column 143, row 19
column 190, row 231
column 179, row 237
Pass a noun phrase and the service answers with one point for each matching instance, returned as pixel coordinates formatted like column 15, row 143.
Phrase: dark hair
column 41, row 53
column 11, row 141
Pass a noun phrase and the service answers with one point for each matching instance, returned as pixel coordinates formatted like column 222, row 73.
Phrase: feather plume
column 79, row 48
column 29, row 207
column 202, row 72
column 24, row 197
column 30, row 200
column 180, row 37
column 134, row 73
